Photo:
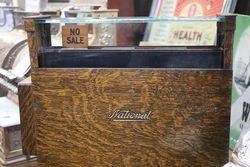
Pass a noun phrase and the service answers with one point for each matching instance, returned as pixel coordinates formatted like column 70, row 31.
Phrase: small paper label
column 75, row 36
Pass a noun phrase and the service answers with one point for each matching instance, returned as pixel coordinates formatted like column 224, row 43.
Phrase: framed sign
column 195, row 8
column 182, row 33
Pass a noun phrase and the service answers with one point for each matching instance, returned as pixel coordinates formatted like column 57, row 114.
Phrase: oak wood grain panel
column 189, row 124
column 38, row 36
column 228, row 39
column 27, row 119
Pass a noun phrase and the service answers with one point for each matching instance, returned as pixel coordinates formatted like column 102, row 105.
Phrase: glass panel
column 125, row 20
column 140, row 31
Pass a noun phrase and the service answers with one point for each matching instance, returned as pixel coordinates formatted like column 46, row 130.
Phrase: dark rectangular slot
column 131, row 58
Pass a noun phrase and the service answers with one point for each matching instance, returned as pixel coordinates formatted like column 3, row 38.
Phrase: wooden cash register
column 140, row 106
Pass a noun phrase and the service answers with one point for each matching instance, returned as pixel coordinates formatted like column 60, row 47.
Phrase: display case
column 139, row 103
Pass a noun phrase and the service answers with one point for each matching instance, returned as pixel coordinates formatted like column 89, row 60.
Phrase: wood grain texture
column 228, row 39
column 27, row 119
column 189, row 124
column 38, row 36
